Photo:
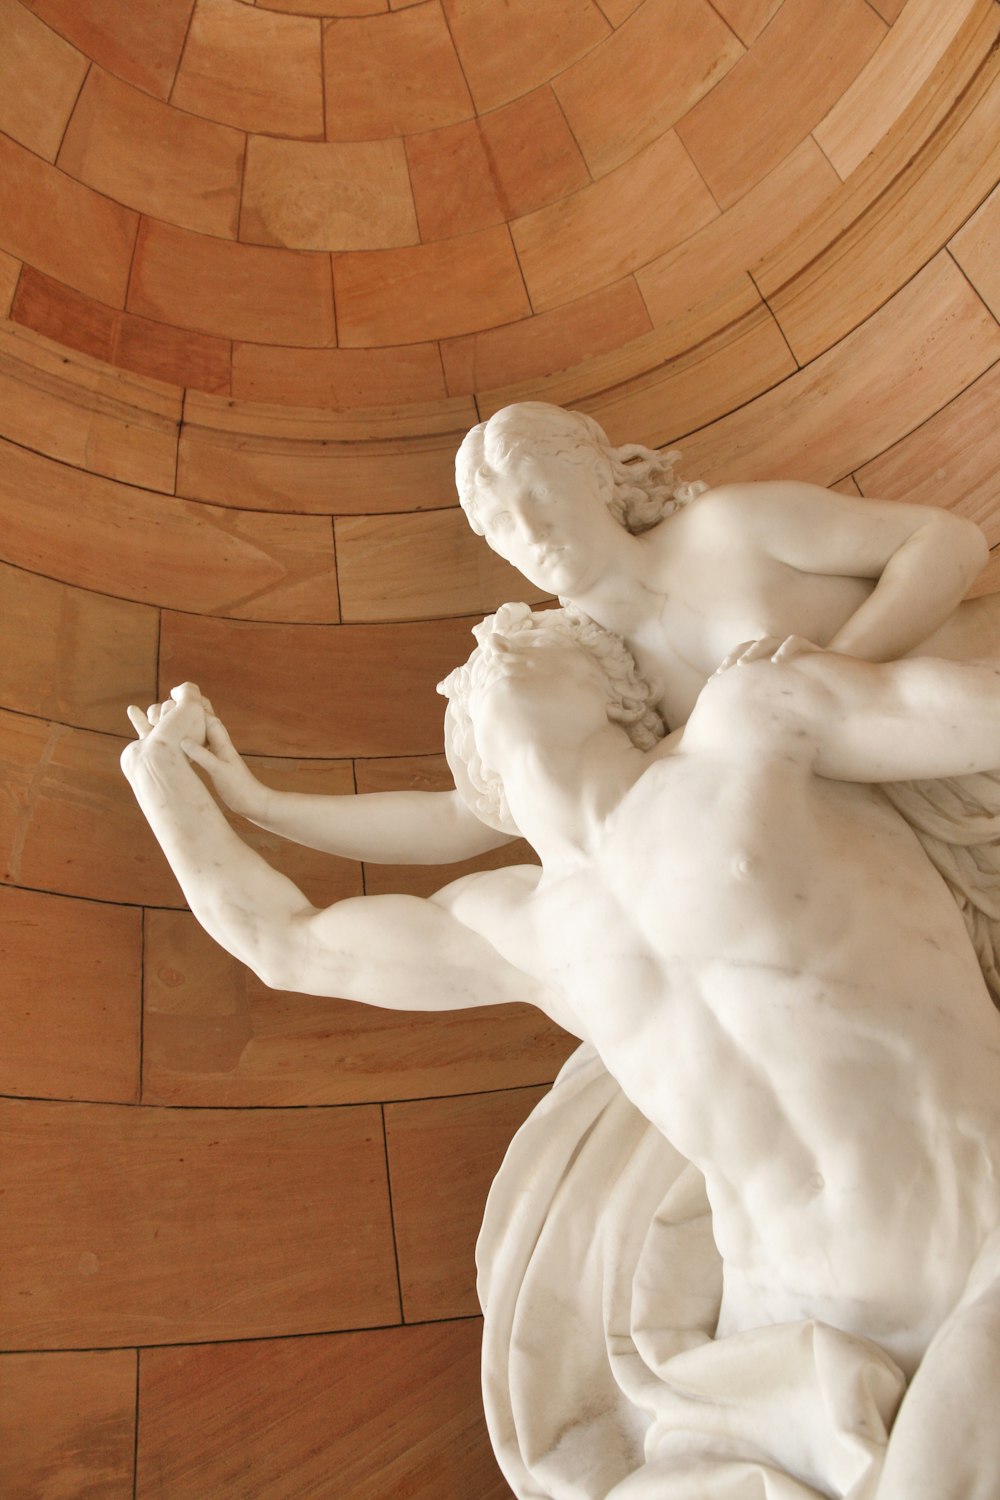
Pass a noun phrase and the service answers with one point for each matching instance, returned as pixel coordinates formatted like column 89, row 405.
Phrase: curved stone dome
column 261, row 265
column 363, row 205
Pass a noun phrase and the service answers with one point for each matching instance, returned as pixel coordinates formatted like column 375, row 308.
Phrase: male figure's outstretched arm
column 396, row 951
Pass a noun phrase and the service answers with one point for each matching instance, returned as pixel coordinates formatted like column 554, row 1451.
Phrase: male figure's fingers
column 140, row 723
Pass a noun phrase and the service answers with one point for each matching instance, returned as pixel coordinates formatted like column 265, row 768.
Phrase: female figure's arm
column 923, row 559
column 429, row 828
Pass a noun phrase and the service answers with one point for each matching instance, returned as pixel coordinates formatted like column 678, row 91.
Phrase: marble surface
column 684, row 573
column 778, row 984
column 749, row 1245
column 619, row 1387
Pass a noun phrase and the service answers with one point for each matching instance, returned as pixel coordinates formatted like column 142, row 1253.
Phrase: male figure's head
column 552, row 495
column 537, row 680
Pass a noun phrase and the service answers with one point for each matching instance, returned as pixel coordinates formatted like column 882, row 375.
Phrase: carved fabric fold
column 957, row 820
column 601, row 1284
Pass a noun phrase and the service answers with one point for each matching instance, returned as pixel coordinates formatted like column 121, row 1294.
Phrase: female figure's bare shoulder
column 716, row 522
column 760, row 504
column 717, row 506
column 754, row 509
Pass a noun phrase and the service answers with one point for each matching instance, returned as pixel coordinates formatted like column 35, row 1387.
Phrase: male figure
column 682, row 573
column 757, row 946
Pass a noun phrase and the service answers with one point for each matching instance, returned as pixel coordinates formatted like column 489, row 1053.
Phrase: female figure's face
column 548, row 517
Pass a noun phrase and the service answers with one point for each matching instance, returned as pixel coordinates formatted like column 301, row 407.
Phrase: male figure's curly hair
column 630, row 698
column 642, row 487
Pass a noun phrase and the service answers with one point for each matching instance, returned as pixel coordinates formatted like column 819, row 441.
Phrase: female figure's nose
column 533, row 527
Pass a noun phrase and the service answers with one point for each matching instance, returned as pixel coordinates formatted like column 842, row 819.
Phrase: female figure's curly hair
column 640, row 484
column 630, row 698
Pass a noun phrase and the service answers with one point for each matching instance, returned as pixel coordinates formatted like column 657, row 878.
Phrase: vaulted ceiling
column 343, row 203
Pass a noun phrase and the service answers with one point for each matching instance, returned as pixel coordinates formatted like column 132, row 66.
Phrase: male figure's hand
column 181, row 721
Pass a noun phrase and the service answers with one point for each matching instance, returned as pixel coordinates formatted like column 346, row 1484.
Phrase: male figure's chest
column 703, row 852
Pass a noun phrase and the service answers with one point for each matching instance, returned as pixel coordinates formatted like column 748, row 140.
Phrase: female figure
column 762, row 960
column 683, row 572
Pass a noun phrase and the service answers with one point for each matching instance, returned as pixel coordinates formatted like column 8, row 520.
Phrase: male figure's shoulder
column 759, row 707
column 506, row 908
column 486, row 897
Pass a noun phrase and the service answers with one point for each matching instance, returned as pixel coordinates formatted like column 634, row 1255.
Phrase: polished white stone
column 761, row 1202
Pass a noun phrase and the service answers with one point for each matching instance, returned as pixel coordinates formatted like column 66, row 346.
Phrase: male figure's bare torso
column 748, row 1007
column 761, row 953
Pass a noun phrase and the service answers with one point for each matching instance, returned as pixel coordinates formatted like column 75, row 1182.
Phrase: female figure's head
column 550, row 672
column 542, row 484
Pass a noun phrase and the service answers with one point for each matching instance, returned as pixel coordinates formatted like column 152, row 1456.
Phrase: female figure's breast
column 717, row 596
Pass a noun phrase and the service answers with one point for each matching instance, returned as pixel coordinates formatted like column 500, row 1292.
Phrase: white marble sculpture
column 761, row 1201
column 683, row 574
column 757, row 948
